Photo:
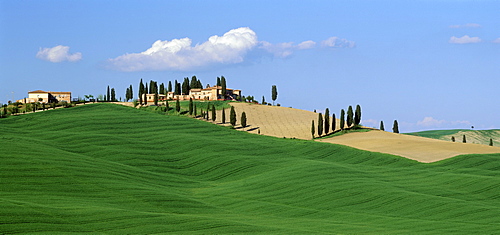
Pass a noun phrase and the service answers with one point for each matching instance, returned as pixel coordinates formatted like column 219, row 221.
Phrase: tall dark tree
column 131, row 92
column 464, row 140
column 162, row 89
column 395, row 127
column 320, row 124
column 357, row 115
column 166, row 107
column 224, row 87
column 350, row 116
column 263, row 100
column 141, row 91
column 191, row 106
column 177, row 106
column 453, row 139
column 108, row 95
column 232, row 117
column 334, row 122
column 113, row 95
column 223, row 116
column 327, row 121
column 127, row 94
column 243, row 119
column 313, row 128
column 195, row 110
column 169, row 88
column 156, row 98
column 491, row 142
column 185, row 86
column 214, row 115
column 382, row 126
column 342, row 119
column 274, row 93
column 218, row 82
column 177, row 88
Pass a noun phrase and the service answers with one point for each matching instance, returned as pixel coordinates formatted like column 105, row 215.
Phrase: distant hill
column 472, row 136
column 105, row 168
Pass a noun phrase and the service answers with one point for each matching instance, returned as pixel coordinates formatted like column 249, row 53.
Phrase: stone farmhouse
column 209, row 93
column 46, row 97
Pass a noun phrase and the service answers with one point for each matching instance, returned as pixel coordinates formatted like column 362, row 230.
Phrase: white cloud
column 58, row 54
column 465, row 39
column 468, row 25
column 338, row 42
column 231, row 48
column 432, row 122
column 285, row 49
column 496, row 40
column 179, row 54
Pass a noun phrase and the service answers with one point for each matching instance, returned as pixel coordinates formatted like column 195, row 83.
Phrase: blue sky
column 428, row 64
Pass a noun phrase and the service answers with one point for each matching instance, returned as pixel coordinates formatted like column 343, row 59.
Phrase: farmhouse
column 46, row 97
column 209, row 93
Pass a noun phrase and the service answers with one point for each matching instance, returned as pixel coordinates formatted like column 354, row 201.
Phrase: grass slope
column 472, row 136
column 105, row 168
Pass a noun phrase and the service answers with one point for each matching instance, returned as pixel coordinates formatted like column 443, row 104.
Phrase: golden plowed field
column 289, row 123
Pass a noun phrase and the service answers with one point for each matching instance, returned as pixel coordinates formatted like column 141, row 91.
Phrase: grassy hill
column 104, row 168
column 472, row 136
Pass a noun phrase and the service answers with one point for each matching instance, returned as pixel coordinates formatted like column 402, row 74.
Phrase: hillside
column 104, row 168
column 472, row 136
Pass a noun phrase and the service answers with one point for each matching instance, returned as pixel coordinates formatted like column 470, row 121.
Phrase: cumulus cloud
column 469, row 25
column 58, row 54
column 464, row 40
column 179, row 54
column 496, row 40
column 338, row 42
column 230, row 48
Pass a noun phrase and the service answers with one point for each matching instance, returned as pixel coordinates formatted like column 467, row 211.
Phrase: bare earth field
column 413, row 147
column 289, row 123
column 275, row 121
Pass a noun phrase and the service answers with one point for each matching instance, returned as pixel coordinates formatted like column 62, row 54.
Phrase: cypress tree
column 177, row 88
column 274, row 93
column 141, row 90
column 334, row 122
column 224, row 87
column 395, row 127
column 312, row 129
column 156, row 98
column 327, row 121
column 145, row 92
column 113, row 95
column 320, row 124
column 208, row 109
column 213, row 113
column 357, row 117
column 177, row 106
column 263, row 100
column 232, row 116
column 190, row 106
column 453, row 139
column 195, row 110
column 166, row 107
column 131, row 92
column 464, row 140
column 218, row 82
column 223, row 115
column 243, row 119
column 491, row 142
column 342, row 119
column 350, row 117
column 382, row 126
column 108, row 95
column 169, row 88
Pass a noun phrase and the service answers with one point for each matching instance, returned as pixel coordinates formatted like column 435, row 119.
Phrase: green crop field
column 104, row 168
column 472, row 136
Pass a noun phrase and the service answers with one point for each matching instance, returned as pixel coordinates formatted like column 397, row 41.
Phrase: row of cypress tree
column 323, row 125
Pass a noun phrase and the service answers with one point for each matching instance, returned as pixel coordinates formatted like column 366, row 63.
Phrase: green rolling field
column 104, row 168
column 472, row 136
